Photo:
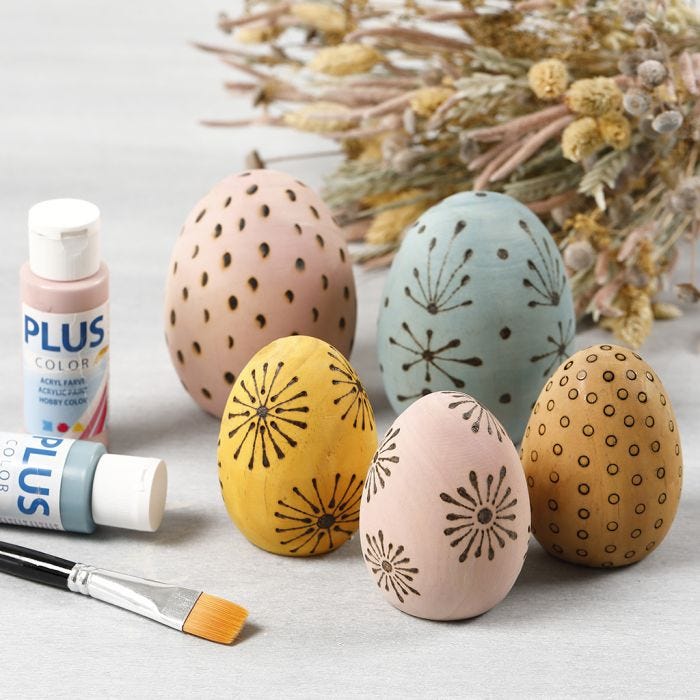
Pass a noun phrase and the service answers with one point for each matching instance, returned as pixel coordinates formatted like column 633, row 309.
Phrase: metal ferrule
column 169, row 605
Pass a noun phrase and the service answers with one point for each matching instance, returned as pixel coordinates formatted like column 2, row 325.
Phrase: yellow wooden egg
column 602, row 457
column 297, row 437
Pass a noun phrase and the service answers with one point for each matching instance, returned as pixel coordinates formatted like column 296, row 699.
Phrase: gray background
column 101, row 100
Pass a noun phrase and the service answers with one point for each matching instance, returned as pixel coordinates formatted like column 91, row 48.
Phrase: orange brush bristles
column 215, row 619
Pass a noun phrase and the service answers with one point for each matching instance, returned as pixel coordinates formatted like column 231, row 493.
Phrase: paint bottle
column 65, row 322
column 62, row 484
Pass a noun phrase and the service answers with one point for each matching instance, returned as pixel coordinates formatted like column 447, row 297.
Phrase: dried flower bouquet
column 588, row 111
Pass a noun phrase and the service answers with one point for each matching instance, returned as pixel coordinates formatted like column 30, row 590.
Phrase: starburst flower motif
column 549, row 280
column 560, row 349
column 265, row 415
column 482, row 518
column 380, row 469
column 318, row 524
column 354, row 398
column 433, row 358
column 395, row 572
column 479, row 415
column 436, row 292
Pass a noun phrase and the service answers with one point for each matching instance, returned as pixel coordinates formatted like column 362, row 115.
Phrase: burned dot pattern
column 256, row 239
column 625, row 442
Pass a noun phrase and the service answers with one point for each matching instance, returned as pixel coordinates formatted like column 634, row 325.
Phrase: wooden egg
column 476, row 300
column 445, row 516
column 297, row 437
column 259, row 257
column 602, row 456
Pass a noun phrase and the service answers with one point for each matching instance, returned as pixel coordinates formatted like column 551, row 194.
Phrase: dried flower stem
column 491, row 155
column 484, row 177
column 226, row 24
column 261, row 120
column 519, row 125
column 427, row 40
column 449, row 16
column 544, row 206
column 531, row 145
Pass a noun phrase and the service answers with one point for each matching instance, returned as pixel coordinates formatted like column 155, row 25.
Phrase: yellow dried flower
column 594, row 97
column 587, row 227
column 548, row 79
column 616, row 130
column 664, row 311
column 581, row 139
column 371, row 149
column 388, row 225
column 426, row 100
column 320, row 16
column 314, row 117
column 632, row 328
column 345, row 59
column 256, row 34
column 645, row 258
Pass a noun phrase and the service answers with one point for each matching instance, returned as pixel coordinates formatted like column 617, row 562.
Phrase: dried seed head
column 579, row 255
column 615, row 130
column 620, row 210
column 651, row 73
column 667, row 122
column 404, row 161
column 393, row 144
column 431, row 76
column 686, row 198
column 633, row 11
column 548, row 79
column 581, row 139
column 645, row 35
column 388, row 225
column 319, row 117
column 636, row 102
column 345, row 59
column 468, row 148
column 409, row 120
column 664, row 311
column 426, row 100
column 630, row 60
column 257, row 34
column 594, row 96
column 318, row 15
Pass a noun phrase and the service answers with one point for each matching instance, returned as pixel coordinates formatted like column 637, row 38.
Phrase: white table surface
column 101, row 100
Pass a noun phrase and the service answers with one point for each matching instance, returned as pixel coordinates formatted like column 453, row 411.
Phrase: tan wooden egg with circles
column 602, row 457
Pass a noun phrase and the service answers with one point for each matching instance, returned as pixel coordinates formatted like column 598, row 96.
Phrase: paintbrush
column 184, row 609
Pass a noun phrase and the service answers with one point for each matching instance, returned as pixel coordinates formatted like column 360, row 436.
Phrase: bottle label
column 31, row 468
column 66, row 367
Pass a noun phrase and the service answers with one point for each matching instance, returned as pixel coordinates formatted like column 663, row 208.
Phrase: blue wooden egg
column 476, row 300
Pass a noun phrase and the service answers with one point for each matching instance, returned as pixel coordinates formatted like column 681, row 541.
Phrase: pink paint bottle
column 65, row 322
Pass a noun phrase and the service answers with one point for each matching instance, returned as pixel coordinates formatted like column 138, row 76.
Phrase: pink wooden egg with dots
column 259, row 257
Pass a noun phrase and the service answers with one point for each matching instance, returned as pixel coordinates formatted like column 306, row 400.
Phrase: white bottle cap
column 129, row 492
column 64, row 239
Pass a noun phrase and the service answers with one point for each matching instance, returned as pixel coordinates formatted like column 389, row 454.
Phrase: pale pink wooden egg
column 445, row 515
column 259, row 257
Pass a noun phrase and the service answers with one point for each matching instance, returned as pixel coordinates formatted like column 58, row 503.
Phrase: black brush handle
column 34, row 566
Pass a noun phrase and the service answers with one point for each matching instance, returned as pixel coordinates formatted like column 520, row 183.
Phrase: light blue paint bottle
column 75, row 485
